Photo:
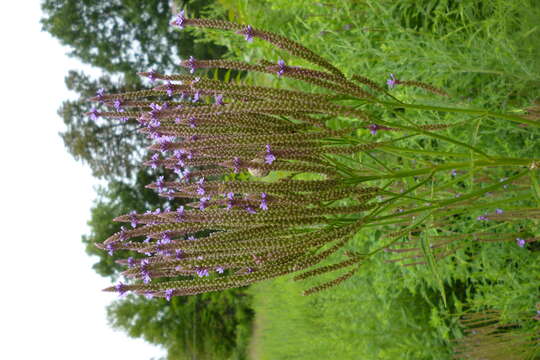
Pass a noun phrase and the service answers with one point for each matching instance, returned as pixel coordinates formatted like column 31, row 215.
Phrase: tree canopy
column 120, row 37
column 124, row 36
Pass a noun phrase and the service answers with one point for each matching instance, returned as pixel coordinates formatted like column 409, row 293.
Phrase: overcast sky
column 51, row 306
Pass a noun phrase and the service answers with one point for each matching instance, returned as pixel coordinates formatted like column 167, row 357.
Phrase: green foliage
column 202, row 327
column 112, row 151
column 134, row 36
column 484, row 53
column 118, row 198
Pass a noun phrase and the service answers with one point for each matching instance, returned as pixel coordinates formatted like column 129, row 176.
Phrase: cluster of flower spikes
column 234, row 232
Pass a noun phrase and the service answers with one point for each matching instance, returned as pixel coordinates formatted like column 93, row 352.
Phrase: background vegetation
column 484, row 53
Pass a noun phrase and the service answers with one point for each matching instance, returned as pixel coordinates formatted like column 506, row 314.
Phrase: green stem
column 446, row 167
column 509, row 117
column 442, row 203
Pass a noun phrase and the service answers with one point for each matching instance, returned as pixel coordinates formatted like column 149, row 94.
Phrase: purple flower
column 499, row 211
column 100, row 94
column 200, row 187
column 202, row 272
column 178, row 254
column 191, row 238
column 152, row 75
column 269, row 157
column 220, row 270
column 248, row 33
column 186, row 175
column 263, row 205
column 154, row 162
column 160, row 183
column 94, row 114
column 373, row 128
column 482, row 218
column 120, row 288
column 191, row 64
column 110, row 249
column 230, row 200
column 130, row 262
column 179, row 20
column 177, row 120
column 219, row 100
column 192, row 123
column 169, row 294
column 250, row 210
column 236, row 165
column 165, row 237
column 392, row 81
column 453, row 172
column 123, row 234
column 133, row 218
column 180, row 213
column 520, row 242
column 282, row 67
column 203, row 204
column 144, row 271
column 118, row 105
column 181, row 156
column 196, row 96
column 170, row 89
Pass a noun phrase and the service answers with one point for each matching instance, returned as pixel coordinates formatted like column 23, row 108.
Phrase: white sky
column 51, row 304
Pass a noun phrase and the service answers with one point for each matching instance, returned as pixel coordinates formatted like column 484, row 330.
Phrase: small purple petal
column 392, row 81
column 133, row 218
column 190, row 63
column 219, row 99
column 269, row 157
column 264, row 204
column 373, row 128
column 100, row 95
column 179, row 20
column 282, row 67
column 236, row 165
column 520, row 242
column 203, row 204
column 152, row 75
column 120, row 288
column 93, row 113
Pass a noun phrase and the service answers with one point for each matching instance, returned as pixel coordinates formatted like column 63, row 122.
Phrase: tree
column 201, row 327
column 134, row 36
column 113, row 150
column 124, row 36
column 120, row 197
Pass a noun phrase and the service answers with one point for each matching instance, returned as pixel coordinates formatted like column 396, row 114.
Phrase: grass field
column 485, row 54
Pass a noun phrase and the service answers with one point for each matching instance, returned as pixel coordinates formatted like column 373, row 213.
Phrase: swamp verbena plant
column 265, row 181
